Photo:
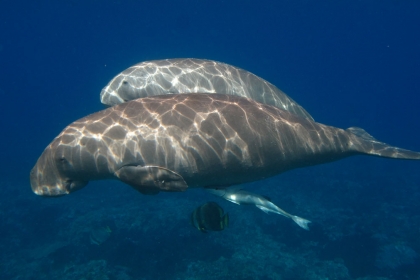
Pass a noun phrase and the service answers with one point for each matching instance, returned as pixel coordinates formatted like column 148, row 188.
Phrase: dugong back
column 171, row 76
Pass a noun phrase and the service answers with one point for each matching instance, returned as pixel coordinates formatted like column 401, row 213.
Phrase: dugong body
column 189, row 75
column 175, row 142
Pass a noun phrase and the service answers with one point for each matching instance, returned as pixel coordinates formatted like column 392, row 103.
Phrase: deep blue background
column 349, row 63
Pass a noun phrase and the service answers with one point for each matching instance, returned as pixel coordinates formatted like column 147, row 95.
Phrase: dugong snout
column 46, row 179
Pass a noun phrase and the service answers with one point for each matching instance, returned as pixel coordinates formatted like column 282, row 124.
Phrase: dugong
column 180, row 141
column 189, row 75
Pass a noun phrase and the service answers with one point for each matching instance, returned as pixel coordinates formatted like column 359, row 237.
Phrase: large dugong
column 189, row 75
column 175, row 142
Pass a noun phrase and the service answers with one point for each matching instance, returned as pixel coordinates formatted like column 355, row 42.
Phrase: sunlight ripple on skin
column 189, row 75
column 180, row 141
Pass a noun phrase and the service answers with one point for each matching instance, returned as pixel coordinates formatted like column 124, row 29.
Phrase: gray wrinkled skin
column 189, row 75
column 175, row 142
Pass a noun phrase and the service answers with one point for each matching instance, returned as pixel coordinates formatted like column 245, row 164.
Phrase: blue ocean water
column 348, row 63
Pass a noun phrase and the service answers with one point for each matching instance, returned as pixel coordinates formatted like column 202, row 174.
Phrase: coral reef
column 359, row 231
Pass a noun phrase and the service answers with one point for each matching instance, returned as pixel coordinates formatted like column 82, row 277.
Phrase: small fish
column 209, row 216
column 242, row 197
column 99, row 235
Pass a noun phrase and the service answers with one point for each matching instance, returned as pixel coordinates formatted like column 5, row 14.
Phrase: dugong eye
column 125, row 83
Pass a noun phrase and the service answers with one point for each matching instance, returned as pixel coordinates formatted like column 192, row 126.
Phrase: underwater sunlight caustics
column 181, row 141
column 190, row 75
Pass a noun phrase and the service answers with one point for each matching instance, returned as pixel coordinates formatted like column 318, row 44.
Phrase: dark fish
column 99, row 235
column 209, row 216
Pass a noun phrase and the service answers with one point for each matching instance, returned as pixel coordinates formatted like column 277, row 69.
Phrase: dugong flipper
column 171, row 142
column 190, row 75
column 151, row 179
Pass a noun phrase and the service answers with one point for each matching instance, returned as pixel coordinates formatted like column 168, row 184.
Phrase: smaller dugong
column 180, row 141
column 190, row 75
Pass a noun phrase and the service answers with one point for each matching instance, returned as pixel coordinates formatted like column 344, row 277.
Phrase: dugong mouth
column 49, row 191
column 42, row 189
column 59, row 188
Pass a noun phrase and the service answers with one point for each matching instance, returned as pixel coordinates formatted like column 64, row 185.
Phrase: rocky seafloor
column 365, row 225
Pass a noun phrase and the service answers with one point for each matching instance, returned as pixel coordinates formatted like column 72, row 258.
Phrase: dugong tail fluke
column 365, row 143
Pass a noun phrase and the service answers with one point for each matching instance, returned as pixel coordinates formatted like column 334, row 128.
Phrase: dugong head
column 55, row 172
column 135, row 82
